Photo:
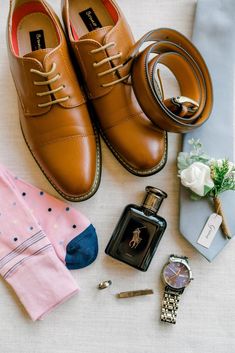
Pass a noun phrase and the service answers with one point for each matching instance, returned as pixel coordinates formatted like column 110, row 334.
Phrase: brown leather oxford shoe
column 101, row 40
column 53, row 112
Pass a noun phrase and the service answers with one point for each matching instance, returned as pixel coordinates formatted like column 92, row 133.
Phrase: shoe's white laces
column 48, row 82
column 106, row 60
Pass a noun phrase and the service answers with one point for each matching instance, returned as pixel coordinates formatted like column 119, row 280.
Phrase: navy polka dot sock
column 70, row 232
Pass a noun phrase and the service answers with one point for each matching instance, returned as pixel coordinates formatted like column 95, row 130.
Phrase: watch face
column 176, row 275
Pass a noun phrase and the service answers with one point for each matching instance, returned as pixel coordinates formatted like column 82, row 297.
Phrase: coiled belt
column 177, row 114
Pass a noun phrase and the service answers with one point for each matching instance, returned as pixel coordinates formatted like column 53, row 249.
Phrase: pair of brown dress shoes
column 55, row 113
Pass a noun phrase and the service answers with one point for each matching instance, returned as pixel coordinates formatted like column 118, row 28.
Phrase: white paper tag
column 209, row 231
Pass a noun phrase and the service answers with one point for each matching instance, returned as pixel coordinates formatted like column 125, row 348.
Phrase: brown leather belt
column 177, row 53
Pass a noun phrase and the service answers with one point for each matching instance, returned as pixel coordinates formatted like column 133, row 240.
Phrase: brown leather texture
column 139, row 145
column 183, row 59
column 122, row 115
column 56, row 126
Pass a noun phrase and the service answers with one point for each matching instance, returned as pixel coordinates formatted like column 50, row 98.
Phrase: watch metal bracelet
column 170, row 306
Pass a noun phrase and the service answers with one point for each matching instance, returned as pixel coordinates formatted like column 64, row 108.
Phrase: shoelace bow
column 106, row 60
column 48, row 82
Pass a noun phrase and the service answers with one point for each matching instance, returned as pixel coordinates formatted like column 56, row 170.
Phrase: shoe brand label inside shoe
column 90, row 19
column 37, row 40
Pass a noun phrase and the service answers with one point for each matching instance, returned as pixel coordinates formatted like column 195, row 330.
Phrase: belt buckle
column 191, row 105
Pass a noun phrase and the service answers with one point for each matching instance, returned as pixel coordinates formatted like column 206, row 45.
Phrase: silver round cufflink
column 104, row 285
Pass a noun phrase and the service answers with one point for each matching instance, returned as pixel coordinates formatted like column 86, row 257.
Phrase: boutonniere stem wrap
column 206, row 178
column 219, row 210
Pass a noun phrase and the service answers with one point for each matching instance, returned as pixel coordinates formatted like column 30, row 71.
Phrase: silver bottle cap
column 153, row 198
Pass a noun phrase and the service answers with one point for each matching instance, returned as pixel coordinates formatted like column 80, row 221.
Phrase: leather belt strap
column 177, row 53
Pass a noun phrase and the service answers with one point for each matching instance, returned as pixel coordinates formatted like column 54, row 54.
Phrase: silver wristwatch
column 177, row 275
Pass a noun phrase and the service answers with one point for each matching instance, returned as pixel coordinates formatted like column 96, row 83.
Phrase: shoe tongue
column 38, row 54
column 98, row 34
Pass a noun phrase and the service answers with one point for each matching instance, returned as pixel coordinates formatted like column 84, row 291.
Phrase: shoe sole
column 97, row 178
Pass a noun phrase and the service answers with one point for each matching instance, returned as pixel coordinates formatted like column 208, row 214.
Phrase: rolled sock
column 28, row 261
column 70, row 232
column 42, row 283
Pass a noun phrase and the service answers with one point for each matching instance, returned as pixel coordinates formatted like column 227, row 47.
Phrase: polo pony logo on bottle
column 139, row 230
column 136, row 239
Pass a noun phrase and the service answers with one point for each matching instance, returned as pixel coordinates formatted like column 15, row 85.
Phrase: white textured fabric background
column 95, row 321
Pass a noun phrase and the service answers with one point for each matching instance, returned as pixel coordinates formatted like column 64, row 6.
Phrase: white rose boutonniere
column 197, row 177
column 206, row 177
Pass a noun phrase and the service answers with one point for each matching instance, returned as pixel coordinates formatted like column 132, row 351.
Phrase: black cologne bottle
column 139, row 231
